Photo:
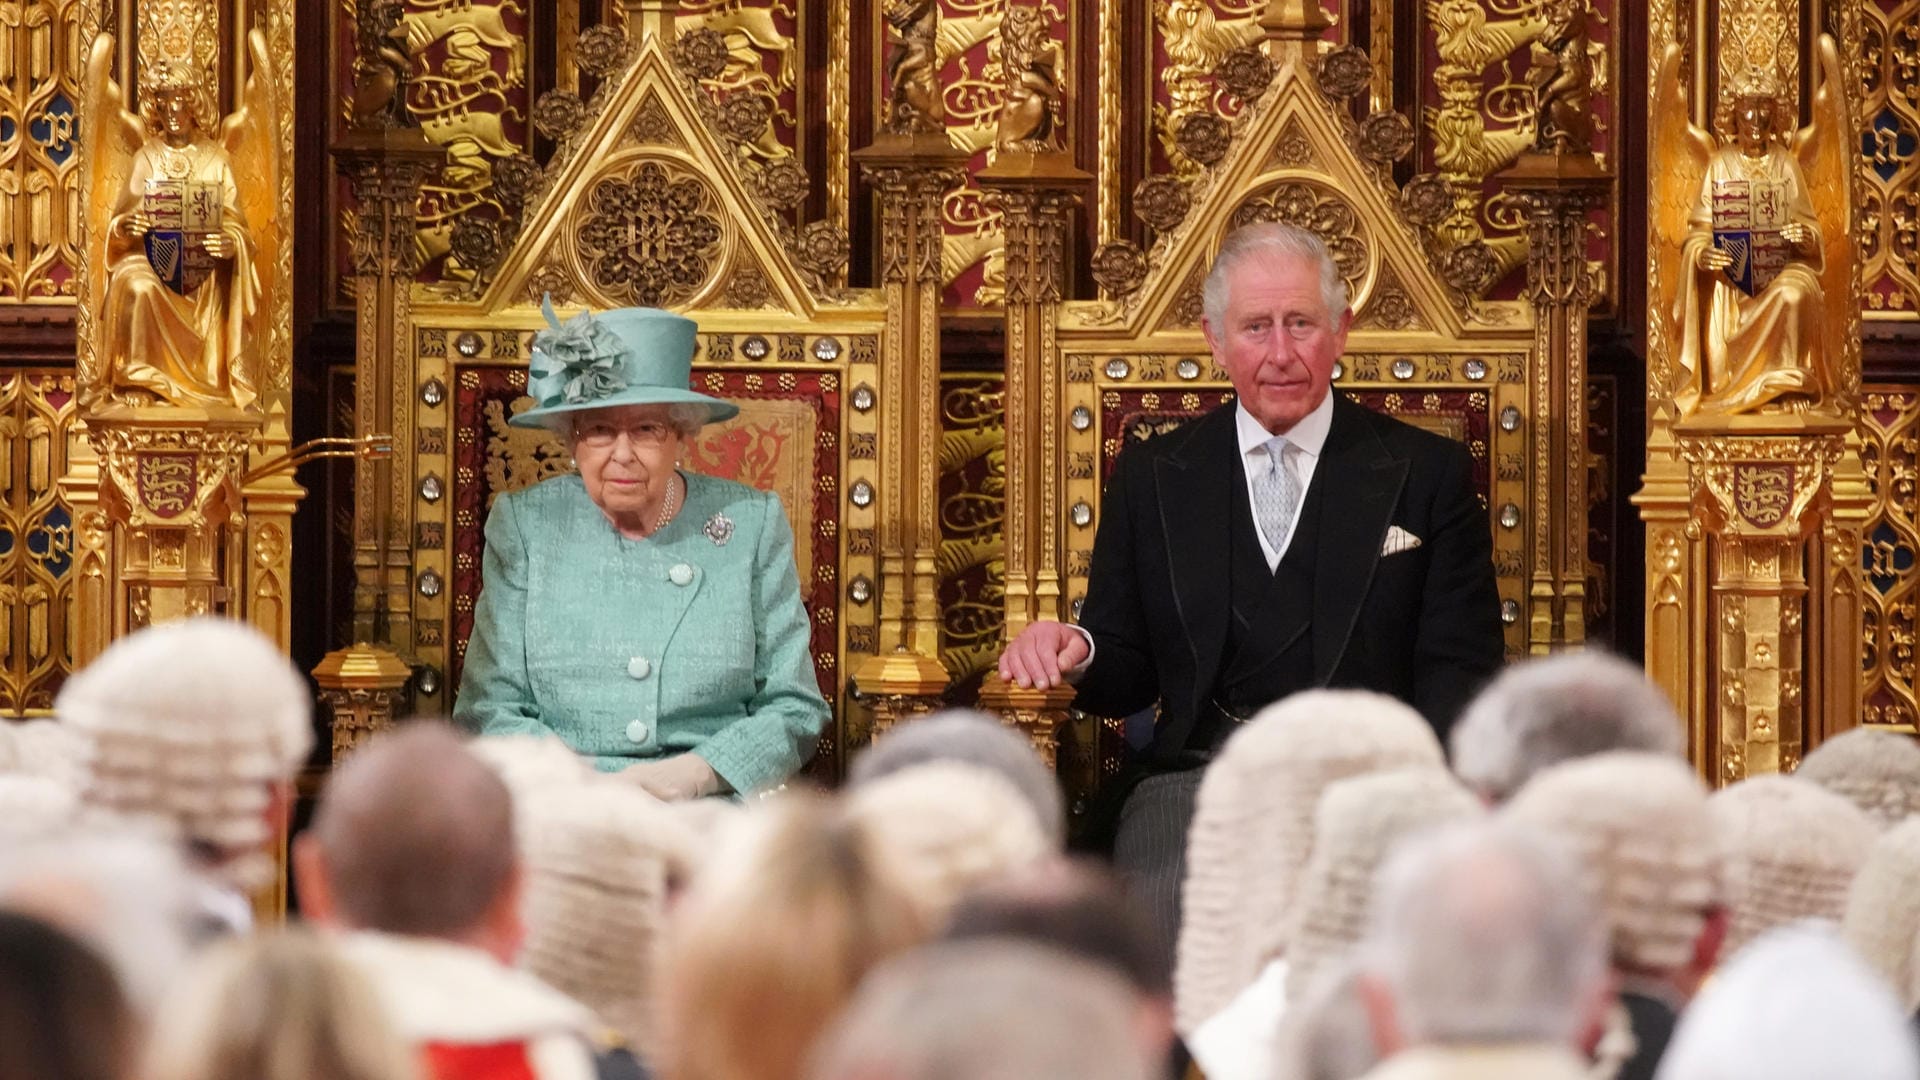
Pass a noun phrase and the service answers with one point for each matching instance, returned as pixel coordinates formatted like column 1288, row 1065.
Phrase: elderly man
column 412, row 851
column 1546, row 711
column 1484, row 958
column 1290, row 540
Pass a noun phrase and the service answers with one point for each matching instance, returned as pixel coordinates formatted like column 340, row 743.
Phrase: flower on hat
column 576, row 362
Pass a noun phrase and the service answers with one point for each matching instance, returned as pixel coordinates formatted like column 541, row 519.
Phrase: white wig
column 1640, row 828
column 1542, row 712
column 1882, row 919
column 1791, row 848
column 1253, row 829
column 190, row 724
column 1877, row 771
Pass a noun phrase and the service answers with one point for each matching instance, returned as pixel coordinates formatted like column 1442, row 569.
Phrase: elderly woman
column 647, row 616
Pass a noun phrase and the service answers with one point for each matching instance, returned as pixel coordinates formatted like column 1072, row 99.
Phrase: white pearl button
column 637, row 731
column 639, row 668
column 681, row 574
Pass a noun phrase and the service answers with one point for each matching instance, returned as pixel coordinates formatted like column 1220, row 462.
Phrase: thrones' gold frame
column 821, row 330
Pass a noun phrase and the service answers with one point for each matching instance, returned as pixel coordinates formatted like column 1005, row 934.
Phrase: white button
column 639, row 668
column 637, row 731
column 681, row 574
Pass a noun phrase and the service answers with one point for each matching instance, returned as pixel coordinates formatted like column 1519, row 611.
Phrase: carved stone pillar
column 365, row 687
column 1558, row 191
column 386, row 167
column 1763, row 499
column 912, row 166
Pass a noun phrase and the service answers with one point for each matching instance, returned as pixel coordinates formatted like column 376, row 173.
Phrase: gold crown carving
column 179, row 45
column 1757, row 81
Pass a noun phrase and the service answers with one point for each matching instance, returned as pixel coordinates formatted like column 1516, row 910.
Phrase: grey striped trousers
column 1150, row 847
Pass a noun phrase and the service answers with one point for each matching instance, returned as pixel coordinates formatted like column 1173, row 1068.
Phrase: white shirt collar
column 1309, row 436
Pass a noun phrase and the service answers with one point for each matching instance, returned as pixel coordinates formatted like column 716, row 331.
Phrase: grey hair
column 1547, row 711
column 687, row 418
column 1796, row 1005
column 977, row 1010
column 974, row 738
column 1270, row 240
column 1484, row 933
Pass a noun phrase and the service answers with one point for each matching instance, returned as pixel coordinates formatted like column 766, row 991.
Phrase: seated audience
column 1875, row 770
column 602, row 861
column 1542, row 712
column 980, row 1010
column 196, row 727
column 130, row 898
column 1882, row 919
column 1485, row 957
column 411, row 854
column 277, row 1005
column 1253, row 829
column 1794, row 1005
column 772, row 938
column 945, row 827
column 1079, row 910
column 1640, row 827
column 62, row 1014
column 1791, row 850
column 973, row 738
column 1357, row 824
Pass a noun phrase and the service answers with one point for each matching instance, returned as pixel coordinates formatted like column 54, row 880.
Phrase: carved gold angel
column 1756, row 274
column 181, row 217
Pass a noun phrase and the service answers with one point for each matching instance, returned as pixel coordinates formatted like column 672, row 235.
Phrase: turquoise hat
column 628, row 356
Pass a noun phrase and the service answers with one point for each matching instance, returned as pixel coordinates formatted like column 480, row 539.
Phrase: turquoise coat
column 629, row 650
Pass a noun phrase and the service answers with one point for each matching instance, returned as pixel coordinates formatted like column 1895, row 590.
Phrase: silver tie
column 1276, row 494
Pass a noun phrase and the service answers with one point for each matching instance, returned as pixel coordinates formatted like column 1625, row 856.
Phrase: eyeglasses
column 646, row 433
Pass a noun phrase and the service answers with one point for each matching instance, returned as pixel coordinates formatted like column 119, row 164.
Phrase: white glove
column 675, row 779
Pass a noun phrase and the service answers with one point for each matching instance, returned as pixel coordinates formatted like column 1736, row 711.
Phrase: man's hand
column 1042, row 654
column 1713, row 258
column 674, row 779
column 217, row 245
column 137, row 224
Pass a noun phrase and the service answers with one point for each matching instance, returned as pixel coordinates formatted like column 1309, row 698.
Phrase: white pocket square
column 1399, row 540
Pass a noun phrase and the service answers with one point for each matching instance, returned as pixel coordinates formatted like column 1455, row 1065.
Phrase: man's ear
column 1382, row 1017
column 310, row 877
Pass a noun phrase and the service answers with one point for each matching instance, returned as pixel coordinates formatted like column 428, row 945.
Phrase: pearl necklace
column 667, row 505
